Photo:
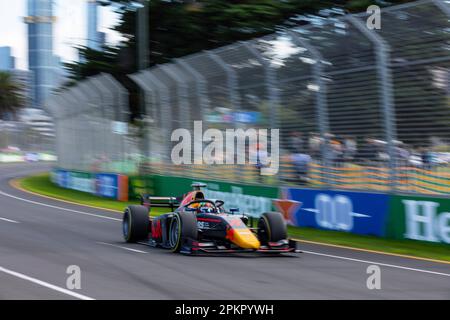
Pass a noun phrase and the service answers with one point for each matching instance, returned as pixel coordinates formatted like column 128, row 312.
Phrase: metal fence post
column 201, row 92
column 102, row 136
column 149, row 93
column 201, row 86
column 77, row 148
column 97, row 115
column 118, row 103
column 231, row 78
column 122, row 97
column 232, row 81
column 123, row 113
column 165, row 111
column 108, row 115
column 163, row 93
column 321, row 101
column 70, row 144
column 52, row 107
column 385, row 84
column 182, row 91
column 150, row 113
column 85, row 130
column 440, row 4
column 271, row 87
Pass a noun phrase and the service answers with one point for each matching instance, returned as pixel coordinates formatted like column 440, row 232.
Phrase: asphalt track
column 40, row 238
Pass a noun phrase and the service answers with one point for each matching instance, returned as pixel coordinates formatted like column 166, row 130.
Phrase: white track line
column 8, row 220
column 121, row 247
column 59, row 208
column 377, row 263
column 45, row 284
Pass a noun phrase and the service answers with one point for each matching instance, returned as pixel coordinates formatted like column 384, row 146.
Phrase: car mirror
column 219, row 203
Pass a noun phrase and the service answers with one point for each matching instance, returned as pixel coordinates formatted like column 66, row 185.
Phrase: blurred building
column 37, row 120
column 60, row 75
column 31, row 130
column 24, row 79
column 42, row 62
column 7, row 61
column 95, row 39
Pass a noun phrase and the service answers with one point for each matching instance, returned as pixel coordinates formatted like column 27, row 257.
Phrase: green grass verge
column 404, row 247
column 41, row 184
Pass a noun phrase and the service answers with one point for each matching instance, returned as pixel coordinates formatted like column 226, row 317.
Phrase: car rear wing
column 164, row 202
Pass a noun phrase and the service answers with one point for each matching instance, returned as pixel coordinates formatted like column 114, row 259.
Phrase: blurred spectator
column 369, row 151
column 350, row 148
column 315, row 142
column 301, row 164
column 427, row 158
column 415, row 158
column 261, row 158
column 337, row 151
column 296, row 142
column 381, row 152
column 402, row 155
column 333, row 150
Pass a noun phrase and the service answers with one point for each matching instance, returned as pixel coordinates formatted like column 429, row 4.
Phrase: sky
column 69, row 30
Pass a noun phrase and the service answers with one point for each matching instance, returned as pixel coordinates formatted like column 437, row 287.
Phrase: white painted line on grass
column 45, row 284
column 377, row 263
column 9, row 220
column 121, row 247
column 59, row 208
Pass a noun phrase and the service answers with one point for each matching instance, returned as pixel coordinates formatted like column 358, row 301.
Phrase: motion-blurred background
column 357, row 109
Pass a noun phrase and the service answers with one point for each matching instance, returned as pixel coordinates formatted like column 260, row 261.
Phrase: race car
column 202, row 226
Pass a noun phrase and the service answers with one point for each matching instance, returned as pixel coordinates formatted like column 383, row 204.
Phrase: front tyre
column 183, row 226
column 272, row 228
column 135, row 224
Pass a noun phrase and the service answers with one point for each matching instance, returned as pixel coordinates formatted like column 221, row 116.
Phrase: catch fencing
column 91, row 125
column 357, row 108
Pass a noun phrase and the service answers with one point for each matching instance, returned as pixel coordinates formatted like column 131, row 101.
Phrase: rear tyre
column 135, row 224
column 271, row 228
column 183, row 226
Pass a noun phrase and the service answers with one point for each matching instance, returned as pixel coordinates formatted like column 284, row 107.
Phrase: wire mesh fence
column 357, row 108
column 91, row 127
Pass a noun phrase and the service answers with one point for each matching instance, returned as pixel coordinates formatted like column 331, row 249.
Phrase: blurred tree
column 178, row 28
column 11, row 99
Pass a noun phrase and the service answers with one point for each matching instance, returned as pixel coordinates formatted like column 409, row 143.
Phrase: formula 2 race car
column 200, row 225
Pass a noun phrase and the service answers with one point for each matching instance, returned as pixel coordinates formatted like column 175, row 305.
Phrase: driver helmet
column 206, row 208
column 203, row 207
column 197, row 196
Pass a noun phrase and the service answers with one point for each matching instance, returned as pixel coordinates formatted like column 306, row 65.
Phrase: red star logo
column 229, row 234
column 287, row 207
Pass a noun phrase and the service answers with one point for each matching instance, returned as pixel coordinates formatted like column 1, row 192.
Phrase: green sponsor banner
column 139, row 185
column 250, row 199
column 419, row 218
column 171, row 186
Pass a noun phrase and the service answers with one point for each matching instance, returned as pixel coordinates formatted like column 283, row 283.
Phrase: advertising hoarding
column 355, row 212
